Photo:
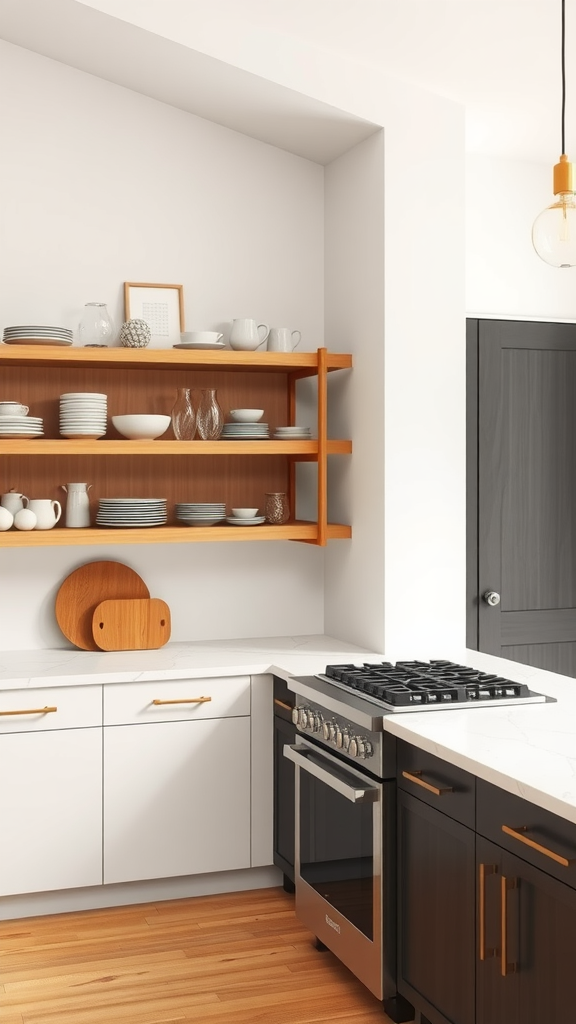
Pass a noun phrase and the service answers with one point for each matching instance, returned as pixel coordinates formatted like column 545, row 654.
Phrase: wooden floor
column 228, row 959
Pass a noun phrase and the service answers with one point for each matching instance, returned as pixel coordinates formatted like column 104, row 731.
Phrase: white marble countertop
column 528, row 750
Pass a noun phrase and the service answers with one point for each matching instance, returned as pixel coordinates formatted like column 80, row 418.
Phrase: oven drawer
column 543, row 839
column 437, row 782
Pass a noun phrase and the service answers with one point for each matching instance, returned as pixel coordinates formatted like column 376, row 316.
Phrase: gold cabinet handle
column 516, row 833
column 185, row 700
column 506, row 884
column 415, row 777
column 282, row 704
column 30, row 711
column 484, row 869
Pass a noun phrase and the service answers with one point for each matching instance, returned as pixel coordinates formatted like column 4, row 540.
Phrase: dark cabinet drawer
column 437, row 782
column 530, row 832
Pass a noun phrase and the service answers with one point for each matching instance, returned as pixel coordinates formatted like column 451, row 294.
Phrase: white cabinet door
column 176, row 798
column 50, row 810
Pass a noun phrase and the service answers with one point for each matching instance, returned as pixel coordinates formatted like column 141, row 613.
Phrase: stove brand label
column 333, row 924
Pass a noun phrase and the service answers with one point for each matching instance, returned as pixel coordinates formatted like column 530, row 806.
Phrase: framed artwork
column 161, row 306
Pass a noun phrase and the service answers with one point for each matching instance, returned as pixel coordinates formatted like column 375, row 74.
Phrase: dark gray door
column 525, row 502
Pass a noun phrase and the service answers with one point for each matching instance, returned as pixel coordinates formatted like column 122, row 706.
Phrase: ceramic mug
column 47, row 512
column 13, row 409
column 13, row 501
column 201, row 337
column 245, row 334
column 280, row 339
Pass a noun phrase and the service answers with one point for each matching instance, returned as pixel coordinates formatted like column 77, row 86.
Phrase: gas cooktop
column 427, row 685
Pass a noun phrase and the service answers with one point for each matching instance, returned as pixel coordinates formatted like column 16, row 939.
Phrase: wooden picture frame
column 161, row 306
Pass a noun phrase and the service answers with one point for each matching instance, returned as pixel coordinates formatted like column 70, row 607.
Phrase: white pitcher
column 47, row 512
column 77, row 504
column 281, row 339
column 245, row 334
column 13, row 501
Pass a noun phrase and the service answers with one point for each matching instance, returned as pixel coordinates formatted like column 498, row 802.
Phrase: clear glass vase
column 183, row 416
column 276, row 508
column 96, row 328
column 210, row 418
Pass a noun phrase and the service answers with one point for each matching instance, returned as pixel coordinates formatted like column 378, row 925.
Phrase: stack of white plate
column 83, row 414
column 239, row 521
column 244, row 432
column 293, row 434
column 36, row 335
column 125, row 512
column 198, row 513
column 21, row 426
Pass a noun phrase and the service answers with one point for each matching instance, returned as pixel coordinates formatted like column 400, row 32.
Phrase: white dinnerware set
column 132, row 512
column 292, row 434
column 201, row 340
column 15, row 421
column 245, row 517
column 245, row 426
column 246, row 335
column 83, row 414
column 33, row 334
column 28, row 513
column 200, row 513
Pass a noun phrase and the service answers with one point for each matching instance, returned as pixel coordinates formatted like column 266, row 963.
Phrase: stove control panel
column 333, row 731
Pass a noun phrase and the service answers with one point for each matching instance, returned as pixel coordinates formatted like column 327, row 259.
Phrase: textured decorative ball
column 135, row 334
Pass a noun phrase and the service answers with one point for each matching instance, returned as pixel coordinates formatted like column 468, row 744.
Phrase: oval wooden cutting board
column 85, row 588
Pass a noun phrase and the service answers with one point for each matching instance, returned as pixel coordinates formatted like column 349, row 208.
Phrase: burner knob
column 346, row 739
column 491, row 598
column 354, row 748
column 300, row 716
column 315, row 721
column 339, row 737
column 329, row 730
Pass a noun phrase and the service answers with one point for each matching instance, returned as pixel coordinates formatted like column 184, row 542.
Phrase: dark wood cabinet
column 436, row 881
column 284, row 732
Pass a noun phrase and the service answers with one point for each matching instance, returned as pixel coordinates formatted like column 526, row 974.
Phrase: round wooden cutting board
column 85, row 588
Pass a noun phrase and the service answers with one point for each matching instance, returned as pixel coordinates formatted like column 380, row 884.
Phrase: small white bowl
column 141, row 428
column 246, row 415
column 244, row 513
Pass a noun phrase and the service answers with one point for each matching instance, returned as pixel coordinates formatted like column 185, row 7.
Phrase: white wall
column 101, row 185
column 504, row 276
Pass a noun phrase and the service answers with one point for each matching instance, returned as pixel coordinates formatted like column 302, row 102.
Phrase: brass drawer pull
column 516, row 833
column 484, row 869
column 415, row 777
column 30, row 711
column 185, row 700
column 282, row 704
column 506, row 884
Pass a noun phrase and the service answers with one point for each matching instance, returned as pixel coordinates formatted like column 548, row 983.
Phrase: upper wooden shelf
column 87, row 446
column 299, row 364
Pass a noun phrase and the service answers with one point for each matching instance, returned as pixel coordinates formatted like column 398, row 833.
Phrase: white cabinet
column 176, row 778
column 51, row 793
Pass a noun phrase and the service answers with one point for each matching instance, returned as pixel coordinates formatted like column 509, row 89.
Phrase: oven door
column 338, row 860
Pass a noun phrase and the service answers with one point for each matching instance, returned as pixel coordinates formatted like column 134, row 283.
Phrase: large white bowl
column 141, row 428
column 246, row 415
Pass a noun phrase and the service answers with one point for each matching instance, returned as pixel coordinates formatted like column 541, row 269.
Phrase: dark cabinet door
column 284, row 732
column 531, row 923
column 522, row 491
column 436, row 887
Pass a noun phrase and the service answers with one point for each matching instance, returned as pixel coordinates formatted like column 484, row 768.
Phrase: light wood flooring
column 227, row 959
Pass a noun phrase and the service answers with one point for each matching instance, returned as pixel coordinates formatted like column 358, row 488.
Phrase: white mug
column 245, row 334
column 13, row 409
column 13, row 501
column 47, row 512
column 280, row 339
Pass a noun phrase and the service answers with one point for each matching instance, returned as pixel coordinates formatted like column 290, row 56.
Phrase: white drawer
column 67, row 707
column 182, row 700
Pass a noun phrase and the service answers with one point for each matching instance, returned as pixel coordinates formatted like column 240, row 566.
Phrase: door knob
column 491, row 598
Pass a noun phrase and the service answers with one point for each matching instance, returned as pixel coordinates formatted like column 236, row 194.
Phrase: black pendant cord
column 563, row 75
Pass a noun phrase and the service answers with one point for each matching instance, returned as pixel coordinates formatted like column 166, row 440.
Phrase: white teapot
column 47, row 512
column 13, row 501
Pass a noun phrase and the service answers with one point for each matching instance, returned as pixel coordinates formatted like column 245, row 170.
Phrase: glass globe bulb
column 554, row 232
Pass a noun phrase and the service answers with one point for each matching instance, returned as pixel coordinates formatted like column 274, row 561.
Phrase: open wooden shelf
column 238, row 473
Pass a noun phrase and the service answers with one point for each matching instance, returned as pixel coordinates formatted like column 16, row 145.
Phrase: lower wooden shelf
column 63, row 537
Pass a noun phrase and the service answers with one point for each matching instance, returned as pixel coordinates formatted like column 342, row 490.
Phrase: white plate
column 84, row 394
column 15, row 436
column 201, row 345
column 81, row 435
column 36, row 341
column 236, row 521
column 198, row 522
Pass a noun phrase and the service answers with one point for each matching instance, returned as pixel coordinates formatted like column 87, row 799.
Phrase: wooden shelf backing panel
column 60, row 536
column 141, row 392
column 301, row 364
column 239, row 481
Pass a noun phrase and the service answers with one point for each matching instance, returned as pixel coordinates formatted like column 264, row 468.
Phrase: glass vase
column 276, row 508
column 210, row 418
column 183, row 416
column 96, row 328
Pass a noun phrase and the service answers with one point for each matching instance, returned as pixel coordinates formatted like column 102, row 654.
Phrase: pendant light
column 554, row 230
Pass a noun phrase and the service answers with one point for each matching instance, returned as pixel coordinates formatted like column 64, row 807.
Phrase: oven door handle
column 359, row 792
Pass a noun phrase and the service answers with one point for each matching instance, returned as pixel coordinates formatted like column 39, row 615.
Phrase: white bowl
column 246, row 415
column 141, row 428
column 244, row 513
